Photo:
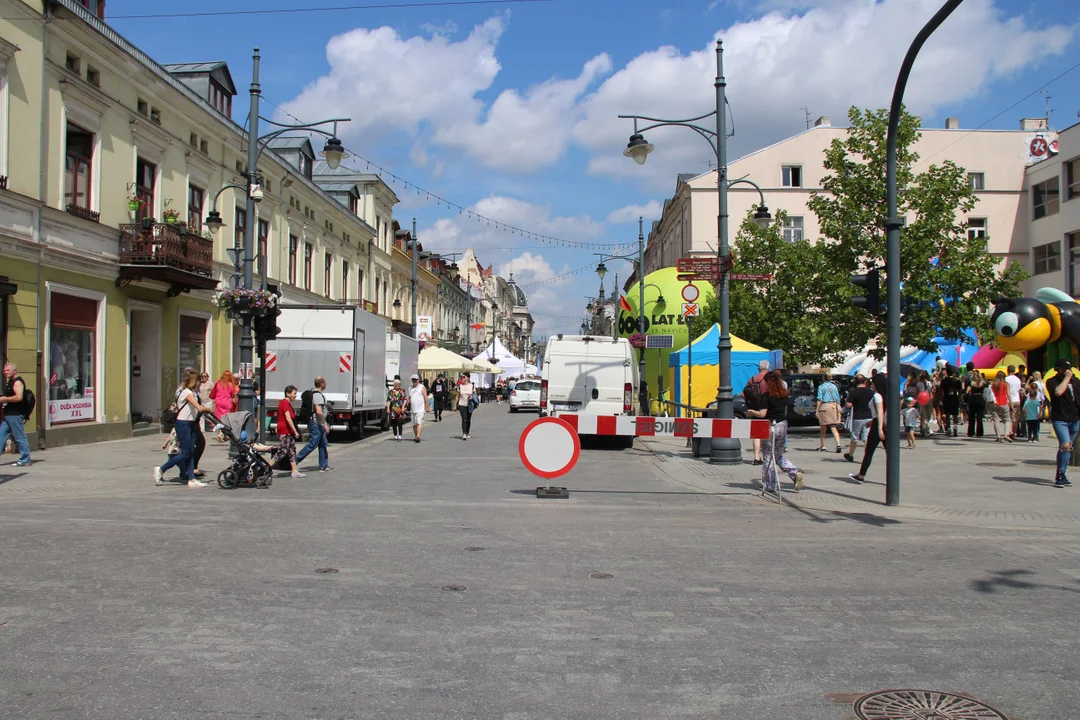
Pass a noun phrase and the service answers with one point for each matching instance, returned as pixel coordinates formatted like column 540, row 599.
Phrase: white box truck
column 589, row 374
column 343, row 343
column 402, row 358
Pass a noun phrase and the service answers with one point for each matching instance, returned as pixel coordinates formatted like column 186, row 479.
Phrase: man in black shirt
column 16, row 412
column 860, row 399
column 440, row 390
column 1063, row 390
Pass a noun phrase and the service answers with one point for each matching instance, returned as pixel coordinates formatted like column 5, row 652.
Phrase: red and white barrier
column 665, row 426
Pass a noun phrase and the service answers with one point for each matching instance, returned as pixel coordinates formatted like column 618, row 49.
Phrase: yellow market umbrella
column 436, row 358
column 483, row 366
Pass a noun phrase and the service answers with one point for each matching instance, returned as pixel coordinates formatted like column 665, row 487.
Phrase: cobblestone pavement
column 122, row 600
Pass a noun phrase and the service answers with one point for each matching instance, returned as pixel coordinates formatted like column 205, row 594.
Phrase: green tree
column 949, row 279
column 787, row 312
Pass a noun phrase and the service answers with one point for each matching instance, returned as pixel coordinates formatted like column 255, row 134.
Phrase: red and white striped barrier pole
column 624, row 425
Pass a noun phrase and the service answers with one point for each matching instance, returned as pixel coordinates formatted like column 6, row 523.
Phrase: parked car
column 525, row 396
column 802, row 398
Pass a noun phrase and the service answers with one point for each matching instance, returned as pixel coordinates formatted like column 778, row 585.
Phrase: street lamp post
column 333, row 152
column 726, row 451
column 892, row 260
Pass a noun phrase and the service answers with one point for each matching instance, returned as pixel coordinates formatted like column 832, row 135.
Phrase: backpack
column 752, row 395
column 306, row 407
column 29, row 402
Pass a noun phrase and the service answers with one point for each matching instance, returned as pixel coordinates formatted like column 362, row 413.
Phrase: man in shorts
column 418, row 401
column 860, row 400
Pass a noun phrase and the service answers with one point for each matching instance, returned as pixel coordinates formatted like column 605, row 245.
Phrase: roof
column 684, row 177
column 322, row 170
column 338, row 187
column 218, row 69
column 290, row 142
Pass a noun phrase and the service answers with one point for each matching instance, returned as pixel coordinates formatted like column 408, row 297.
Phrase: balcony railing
column 166, row 253
column 84, row 213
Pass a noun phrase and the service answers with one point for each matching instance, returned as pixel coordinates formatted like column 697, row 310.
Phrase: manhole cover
column 601, row 576
column 474, row 549
column 922, row 705
column 454, row 588
column 996, row 464
column 326, row 570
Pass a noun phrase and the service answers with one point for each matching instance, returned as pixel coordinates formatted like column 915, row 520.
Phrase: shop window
column 145, row 182
column 72, row 359
column 192, row 343
column 196, row 198
column 80, row 153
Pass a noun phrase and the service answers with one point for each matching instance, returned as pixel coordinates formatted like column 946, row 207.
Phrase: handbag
column 988, row 395
column 172, row 412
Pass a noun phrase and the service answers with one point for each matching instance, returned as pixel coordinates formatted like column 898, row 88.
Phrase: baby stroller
column 248, row 465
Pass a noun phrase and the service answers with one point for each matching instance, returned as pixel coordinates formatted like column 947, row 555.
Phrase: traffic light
column 266, row 325
column 871, row 300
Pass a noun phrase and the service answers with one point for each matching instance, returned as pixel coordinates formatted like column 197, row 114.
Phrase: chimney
column 1033, row 124
column 823, row 121
column 952, row 123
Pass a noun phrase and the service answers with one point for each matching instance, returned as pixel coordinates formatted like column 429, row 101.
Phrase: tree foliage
column 949, row 280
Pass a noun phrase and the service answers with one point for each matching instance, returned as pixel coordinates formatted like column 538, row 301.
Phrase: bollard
column 702, row 447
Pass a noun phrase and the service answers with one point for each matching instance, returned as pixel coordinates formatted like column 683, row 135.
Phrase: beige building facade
column 1053, row 204
column 109, row 163
column 790, row 170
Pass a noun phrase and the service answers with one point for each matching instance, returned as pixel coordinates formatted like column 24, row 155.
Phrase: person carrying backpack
column 313, row 410
column 752, row 395
column 18, row 402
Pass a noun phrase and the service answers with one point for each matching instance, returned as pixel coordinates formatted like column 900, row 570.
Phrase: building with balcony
column 401, row 288
column 1053, row 206
column 453, row 308
column 110, row 273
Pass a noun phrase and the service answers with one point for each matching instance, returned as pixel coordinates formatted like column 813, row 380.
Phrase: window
column 220, row 98
column 1047, row 258
column 1072, row 179
column 1045, row 197
column 240, row 226
column 793, row 228
column 93, row 76
column 155, row 115
column 204, row 147
column 354, row 205
column 294, row 245
column 264, row 257
column 976, row 228
column 1074, row 259
column 192, row 351
column 345, row 281
column 77, row 164
column 309, row 252
column 145, row 181
column 360, row 285
column 193, row 140
column 72, row 63
column 378, row 288
column 792, row 175
column 305, row 166
column 328, row 266
column 72, row 358
column 142, row 107
column 976, row 181
column 195, row 199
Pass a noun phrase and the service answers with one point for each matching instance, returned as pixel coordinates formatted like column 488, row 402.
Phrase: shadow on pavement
column 1047, row 482
column 1011, row 579
column 829, row 516
column 9, row 478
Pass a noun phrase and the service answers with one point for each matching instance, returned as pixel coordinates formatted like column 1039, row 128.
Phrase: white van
column 588, row 374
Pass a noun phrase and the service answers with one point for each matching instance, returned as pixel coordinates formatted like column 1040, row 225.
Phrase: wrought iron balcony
column 84, row 213
column 166, row 253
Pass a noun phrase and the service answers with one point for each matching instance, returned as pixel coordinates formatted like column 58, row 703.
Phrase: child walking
column 911, row 421
column 1032, row 407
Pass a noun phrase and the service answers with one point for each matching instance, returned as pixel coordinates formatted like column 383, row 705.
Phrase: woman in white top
column 465, row 393
column 187, row 420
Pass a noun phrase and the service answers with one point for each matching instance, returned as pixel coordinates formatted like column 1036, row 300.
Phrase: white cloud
column 526, row 132
column 841, row 53
column 385, row 82
column 463, row 231
column 650, row 211
column 527, row 268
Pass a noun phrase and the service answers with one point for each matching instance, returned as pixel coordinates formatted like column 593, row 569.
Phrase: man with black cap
column 1064, row 392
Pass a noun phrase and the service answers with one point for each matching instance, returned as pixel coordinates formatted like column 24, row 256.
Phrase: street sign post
column 690, row 293
column 704, row 265
column 753, row 277
column 549, row 448
column 690, row 309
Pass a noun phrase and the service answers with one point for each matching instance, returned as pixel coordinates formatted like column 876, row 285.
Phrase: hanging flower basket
column 171, row 216
column 134, row 202
column 240, row 301
column 637, row 340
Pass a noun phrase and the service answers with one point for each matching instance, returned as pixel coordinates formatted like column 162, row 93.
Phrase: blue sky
column 510, row 109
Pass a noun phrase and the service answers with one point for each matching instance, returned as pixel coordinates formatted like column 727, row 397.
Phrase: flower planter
column 133, row 205
column 171, row 219
column 147, row 224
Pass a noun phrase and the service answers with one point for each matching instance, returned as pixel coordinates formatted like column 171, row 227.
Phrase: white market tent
column 437, row 358
column 509, row 364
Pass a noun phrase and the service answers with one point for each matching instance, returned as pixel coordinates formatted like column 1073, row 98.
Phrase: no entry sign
column 549, row 448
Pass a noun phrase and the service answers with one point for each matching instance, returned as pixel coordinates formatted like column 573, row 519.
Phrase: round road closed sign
column 549, row 447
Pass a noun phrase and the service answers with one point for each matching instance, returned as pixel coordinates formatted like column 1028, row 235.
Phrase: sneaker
column 297, row 475
column 158, row 479
column 464, row 437
column 839, row 450
column 416, row 440
column 849, row 457
column 195, row 483
column 20, row 463
column 856, row 478
column 821, row 449
column 326, row 469
column 798, row 479
column 1065, row 481
column 756, row 462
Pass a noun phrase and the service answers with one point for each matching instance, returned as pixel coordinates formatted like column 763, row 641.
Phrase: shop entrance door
column 146, row 366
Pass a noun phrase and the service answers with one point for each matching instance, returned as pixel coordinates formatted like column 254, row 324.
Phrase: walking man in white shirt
column 1013, row 381
column 418, row 401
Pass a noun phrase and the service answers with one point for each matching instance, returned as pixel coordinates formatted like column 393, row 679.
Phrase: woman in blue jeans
column 1063, row 390
column 187, row 425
